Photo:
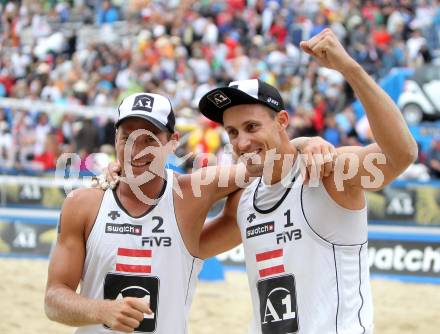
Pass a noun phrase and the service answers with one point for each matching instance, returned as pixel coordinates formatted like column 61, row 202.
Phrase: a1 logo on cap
column 143, row 103
column 219, row 99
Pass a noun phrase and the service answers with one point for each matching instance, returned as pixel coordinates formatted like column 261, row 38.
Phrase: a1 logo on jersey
column 118, row 286
column 278, row 305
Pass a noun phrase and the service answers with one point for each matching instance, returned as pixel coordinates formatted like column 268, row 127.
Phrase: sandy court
column 223, row 307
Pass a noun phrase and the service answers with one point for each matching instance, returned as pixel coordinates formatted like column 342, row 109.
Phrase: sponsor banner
column 404, row 257
column 23, row 238
column 405, row 203
column 33, row 195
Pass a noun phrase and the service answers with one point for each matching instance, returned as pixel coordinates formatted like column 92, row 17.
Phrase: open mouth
column 138, row 164
column 251, row 154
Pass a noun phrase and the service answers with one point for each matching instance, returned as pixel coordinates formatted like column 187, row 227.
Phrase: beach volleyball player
column 305, row 247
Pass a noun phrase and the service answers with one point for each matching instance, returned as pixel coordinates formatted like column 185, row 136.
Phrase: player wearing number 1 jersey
column 305, row 246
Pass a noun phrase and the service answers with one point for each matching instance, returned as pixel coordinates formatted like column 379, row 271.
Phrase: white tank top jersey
column 306, row 260
column 142, row 257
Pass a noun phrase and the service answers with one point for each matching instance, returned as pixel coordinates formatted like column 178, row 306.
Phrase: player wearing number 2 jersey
column 134, row 249
column 305, row 246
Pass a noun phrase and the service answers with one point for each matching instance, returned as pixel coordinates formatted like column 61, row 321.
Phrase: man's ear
column 175, row 140
column 283, row 119
column 116, row 150
column 116, row 136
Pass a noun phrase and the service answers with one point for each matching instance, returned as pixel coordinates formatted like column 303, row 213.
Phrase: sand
column 224, row 307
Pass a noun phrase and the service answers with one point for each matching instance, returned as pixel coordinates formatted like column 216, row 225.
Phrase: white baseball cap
column 154, row 108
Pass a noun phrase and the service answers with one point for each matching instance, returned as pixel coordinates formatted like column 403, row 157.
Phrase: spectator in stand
column 414, row 45
column 42, row 129
column 205, row 139
column 381, row 37
column 433, row 158
column 278, row 31
column 47, row 160
column 319, row 25
column 87, row 138
column 107, row 13
column 319, row 112
column 23, row 134
column 331, row 133
column 7, row 149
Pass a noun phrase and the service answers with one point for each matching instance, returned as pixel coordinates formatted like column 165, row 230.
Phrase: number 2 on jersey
column 157, row 229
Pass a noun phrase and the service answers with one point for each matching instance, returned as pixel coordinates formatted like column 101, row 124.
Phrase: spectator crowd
column 94, row 52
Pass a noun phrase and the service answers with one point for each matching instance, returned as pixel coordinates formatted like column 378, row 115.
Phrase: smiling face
column 141, row 147
column 254, row 129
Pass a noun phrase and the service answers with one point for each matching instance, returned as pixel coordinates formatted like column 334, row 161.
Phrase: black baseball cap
column 253, row 91
column 154, row 108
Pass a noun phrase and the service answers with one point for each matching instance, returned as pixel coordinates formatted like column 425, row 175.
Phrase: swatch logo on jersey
column 260, row 229
column 134, row 260
column 270, row 262
column 123, row 229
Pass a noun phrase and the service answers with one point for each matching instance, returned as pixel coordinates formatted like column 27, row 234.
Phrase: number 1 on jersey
column 289, row 223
